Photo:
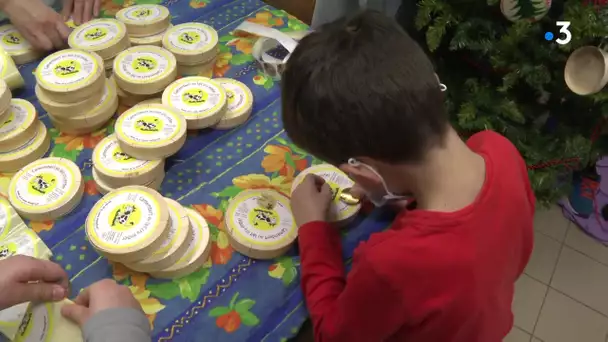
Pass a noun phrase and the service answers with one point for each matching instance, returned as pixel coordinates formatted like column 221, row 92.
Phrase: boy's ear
column 361, row 176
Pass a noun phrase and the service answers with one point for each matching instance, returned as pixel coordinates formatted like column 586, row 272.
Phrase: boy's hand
column 103, row 295
column 311, row 200
column 357, row 190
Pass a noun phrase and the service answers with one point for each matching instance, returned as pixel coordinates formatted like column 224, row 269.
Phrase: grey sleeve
column 117, row 325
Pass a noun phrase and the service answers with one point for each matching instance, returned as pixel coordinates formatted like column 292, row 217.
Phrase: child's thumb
column 75, row 313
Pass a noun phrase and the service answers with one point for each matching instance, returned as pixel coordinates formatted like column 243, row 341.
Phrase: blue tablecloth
column 232, row 298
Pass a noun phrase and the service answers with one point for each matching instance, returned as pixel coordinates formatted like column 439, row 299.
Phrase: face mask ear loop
column 389, row 195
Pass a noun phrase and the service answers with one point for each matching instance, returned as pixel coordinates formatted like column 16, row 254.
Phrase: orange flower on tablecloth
column 244, row 45
column 90, row 187
column 278, row 160
column 79, row 142
column 150, row 306
column 39, row 226
column 221, row 250
column 120, row 273
column 110, row 7
column 222, row 64
column 198, row 3
column 257, row 181
column 266, row 19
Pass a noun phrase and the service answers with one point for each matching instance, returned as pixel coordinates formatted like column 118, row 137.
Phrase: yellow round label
column 337, row 180
column 148, row 125
column 240, row 98
column 23, row 243
column 261, row 225
column 47, row 183
column 190, row 38
column 123, row 219
column 144, row 64
column 110, row 158
column 195, row 97
column 142, row 14
column 38, row 325
column 12, row 41
column 67, row 69
column 22, row 116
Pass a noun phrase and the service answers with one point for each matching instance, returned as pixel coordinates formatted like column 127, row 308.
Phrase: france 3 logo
column 564, row 35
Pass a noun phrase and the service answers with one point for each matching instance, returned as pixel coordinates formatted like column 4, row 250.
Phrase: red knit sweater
column 432, row 277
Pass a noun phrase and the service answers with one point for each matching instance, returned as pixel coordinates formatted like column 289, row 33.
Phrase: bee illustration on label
column 146, row 126
column 41, row 185
column 264, row 217
column 189, row 37
column 121, row 156
column 94, row 34
column 12, row 38
column 123, row 216
column 194, row 96
column 144, row 64
column 142, row 13
column 67, row 68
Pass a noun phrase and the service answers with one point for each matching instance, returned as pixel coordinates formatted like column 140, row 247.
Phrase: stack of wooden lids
column 200, row 100
column 260, row 224
column 23, row 138
column 195, row 46
column 72, row 88
column 9, row 72
column 136, row 226
column 46, row 189
column 82, row 117
column 106, row 37
column 113, row 168
column 146, row 24
column 150, row 132
column 16, row 46
column 143, row 72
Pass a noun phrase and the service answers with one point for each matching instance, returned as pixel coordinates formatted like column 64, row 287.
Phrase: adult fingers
column 55, row 37
column 37, row 292
column 41, row 41
column 64, row 31
column 76, row 313
column 68, row 6
column 96, row 8
column 36, row 270
column 77, row 13
column 88, row 11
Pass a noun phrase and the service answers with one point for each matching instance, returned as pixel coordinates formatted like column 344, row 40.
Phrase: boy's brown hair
column 362, row 87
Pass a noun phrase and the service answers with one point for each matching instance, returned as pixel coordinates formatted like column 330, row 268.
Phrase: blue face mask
column 376, row 199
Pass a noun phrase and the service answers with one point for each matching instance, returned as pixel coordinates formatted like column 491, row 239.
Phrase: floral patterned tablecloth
column 232, row 298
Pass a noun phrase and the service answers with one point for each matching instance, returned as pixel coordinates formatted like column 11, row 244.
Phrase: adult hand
column 311, row 200
column 26, row 279
column 81, row 11
column 38, row 23
column 104, row 294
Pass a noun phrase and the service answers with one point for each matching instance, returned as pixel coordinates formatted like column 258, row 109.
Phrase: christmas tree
column 503, row 74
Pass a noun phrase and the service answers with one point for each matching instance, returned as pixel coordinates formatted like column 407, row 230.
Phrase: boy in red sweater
column 362, row 95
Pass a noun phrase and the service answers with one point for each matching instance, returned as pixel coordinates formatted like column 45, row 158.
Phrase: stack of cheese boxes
column 105, row 37
column 23, row 138
column 136, row 226
column 72, row 88
column 195, row 46
column 143, row 71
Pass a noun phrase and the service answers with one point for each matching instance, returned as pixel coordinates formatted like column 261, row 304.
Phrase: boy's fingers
column 83, row 298
column 76, row 313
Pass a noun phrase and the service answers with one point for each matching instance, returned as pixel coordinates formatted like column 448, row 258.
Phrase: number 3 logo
column 563, row 30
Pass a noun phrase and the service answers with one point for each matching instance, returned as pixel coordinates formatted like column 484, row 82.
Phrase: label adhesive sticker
column 67, row 68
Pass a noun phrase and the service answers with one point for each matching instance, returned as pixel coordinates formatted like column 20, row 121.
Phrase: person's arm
column 360, row 307
column 117, row 325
